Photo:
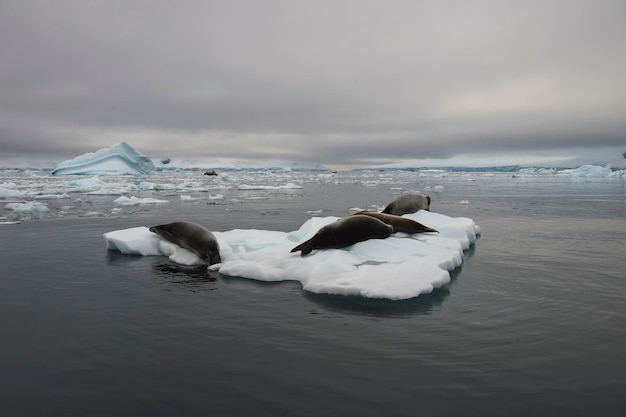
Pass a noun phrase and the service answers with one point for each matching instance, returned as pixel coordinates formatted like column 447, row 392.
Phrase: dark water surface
column 533, row 322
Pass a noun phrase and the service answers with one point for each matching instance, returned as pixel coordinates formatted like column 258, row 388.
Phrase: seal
column 399, row 224
column 408, row 203
column 345, row 232
column 192, row 237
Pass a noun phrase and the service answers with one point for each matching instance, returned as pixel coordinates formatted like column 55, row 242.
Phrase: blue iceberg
column 118, row 159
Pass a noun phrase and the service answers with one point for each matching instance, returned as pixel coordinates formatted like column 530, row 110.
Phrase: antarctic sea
column 532, row 323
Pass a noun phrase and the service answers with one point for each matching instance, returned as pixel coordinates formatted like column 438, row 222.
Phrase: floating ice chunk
column 52, row 196
column 8, row 193
column 85, row 185
column 134, row 241
column 90, row 182
column 141, row 241
column 31, row 208
column 288, row 186
column 188, row 198
column 135, row 201
column 118, row 159
column 399, row 267
column 146, row 186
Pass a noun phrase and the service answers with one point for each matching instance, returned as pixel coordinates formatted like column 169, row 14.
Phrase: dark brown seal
column 399, row 223
column 408, row 203
column 192, row 237
column 345, row 232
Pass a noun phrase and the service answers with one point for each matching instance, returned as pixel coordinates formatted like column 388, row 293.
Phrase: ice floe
column 136, row 201
column 399, row 267
column 289, row 186
column 31, row 208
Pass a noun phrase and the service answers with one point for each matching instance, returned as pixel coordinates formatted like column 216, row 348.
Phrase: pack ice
column 400, row 267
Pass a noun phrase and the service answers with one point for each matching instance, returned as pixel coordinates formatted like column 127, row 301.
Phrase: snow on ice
column 399, row 267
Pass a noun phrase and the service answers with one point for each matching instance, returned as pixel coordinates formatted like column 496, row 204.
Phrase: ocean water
column 534, row 321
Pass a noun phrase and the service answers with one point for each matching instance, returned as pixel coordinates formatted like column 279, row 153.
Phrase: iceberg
column 118, row 159
column 400, row 267
column 586, row 171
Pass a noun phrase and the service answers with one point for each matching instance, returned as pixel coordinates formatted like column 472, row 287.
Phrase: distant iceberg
column 540, row 171
column 593, row 171
column 118, row 159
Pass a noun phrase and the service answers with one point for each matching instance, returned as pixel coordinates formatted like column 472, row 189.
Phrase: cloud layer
column 334, row 82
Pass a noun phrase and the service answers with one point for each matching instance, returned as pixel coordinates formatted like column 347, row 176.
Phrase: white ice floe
column 52, row 196
column 399, row 267
column 31, row 208
column 118, row 159
column 188, row 198
column 9, row 193
column 135, row 201
column 289, row 186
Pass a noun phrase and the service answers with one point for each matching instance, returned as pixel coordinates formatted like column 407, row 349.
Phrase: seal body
column 399, row 224
column 408, row 203
column 345, row 232
column 192, row 237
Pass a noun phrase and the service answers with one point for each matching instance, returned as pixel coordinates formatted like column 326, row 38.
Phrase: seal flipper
column 305, row 247
column 425, row 229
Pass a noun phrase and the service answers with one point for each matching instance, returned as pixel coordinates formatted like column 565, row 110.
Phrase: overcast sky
column 331, row 82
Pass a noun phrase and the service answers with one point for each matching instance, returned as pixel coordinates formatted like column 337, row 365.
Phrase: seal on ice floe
column 399, row 223
column 408, row 203
column 192, row 237
column 345, row 232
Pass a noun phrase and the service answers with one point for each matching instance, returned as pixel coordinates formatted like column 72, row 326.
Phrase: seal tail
column 305, row 247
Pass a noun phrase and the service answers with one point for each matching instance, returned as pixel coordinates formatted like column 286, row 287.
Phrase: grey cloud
column 325, row 81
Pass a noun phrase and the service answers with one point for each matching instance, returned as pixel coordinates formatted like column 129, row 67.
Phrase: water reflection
column 424, row 304
column 191, row 278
